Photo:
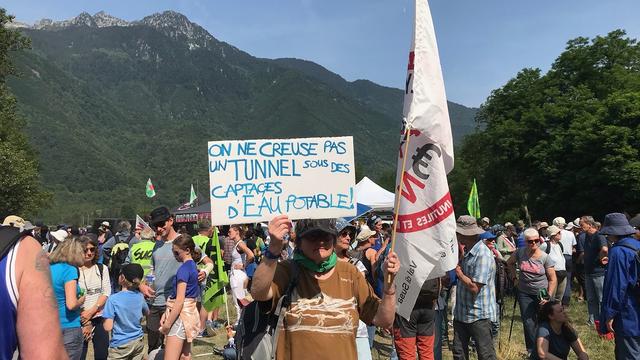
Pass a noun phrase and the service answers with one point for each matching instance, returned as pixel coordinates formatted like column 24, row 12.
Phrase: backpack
column 429, row 293
column 548, row 249
column 636, row 289
column 118, row 257
column 500, row 279
column 257, row 331
column 9, row 236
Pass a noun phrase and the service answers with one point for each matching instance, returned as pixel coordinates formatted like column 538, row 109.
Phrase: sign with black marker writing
column 255, row 180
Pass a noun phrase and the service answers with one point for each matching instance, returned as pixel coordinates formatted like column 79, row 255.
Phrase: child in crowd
column 122, row 314
column 181, row 320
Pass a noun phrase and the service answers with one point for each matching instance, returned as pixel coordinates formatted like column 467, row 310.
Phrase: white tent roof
column 374, row 196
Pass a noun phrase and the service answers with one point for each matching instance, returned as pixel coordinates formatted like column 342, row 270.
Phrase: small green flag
column 192, row 196
column 151, row 191
column 473, row 204
column 213, row 293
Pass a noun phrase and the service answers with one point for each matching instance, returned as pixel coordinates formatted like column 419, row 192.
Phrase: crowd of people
column 327, row 283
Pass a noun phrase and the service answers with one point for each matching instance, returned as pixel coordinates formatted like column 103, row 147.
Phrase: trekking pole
column 513, row 314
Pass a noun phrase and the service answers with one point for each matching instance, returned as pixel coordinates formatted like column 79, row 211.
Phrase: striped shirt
column 479, row 265
column 95, row 285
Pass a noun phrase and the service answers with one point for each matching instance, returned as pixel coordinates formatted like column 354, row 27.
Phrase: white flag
column 192, row 195
column 426, row 229
column 146, row 231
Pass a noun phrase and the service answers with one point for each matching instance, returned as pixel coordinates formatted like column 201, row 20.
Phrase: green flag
column 473, row 204
column 151, row 191
column 192, row 196
column 213, row 294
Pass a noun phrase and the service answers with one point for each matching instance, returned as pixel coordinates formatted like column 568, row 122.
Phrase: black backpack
column 636, row 289
column 9, row 236
column 118, row 257
column 548, row 249
column 500, row 280
column 257, row 331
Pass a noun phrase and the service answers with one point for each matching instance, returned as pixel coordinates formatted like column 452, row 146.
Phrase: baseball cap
column 105, row 223
column 59, row 235
column 307, row 227
column 487, row 235
column 132, row 272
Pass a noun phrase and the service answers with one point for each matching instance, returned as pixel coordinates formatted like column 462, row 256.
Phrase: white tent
column 373, row 195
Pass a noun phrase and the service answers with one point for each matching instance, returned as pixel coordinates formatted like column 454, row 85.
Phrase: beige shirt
column 324, row 314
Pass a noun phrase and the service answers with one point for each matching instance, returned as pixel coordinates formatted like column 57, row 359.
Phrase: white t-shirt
column 568, row 241
column 94, row 285
column 556, row 255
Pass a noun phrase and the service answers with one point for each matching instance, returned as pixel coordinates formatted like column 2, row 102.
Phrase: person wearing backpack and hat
column 620, row 311
column 329, row 298
column 555, row 249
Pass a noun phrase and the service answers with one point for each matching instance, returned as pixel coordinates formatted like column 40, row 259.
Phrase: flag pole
column 400, row 188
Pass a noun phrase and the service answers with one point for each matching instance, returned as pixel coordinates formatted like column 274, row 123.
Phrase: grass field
column 597, row 348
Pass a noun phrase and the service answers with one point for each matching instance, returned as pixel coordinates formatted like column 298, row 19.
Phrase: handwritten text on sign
column 254, row 180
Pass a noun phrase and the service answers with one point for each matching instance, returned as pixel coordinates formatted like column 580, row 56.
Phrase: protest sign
column 254, row 180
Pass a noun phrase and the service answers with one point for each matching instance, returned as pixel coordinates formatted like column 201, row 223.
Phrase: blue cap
column 487, row 235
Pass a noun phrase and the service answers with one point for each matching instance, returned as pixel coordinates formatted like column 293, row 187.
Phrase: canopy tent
column 374, row 196
column 192, row 214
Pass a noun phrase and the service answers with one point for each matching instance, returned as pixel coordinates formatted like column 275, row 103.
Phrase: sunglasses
column 345, row 233
column 531, row 242
column 90, row 250
column 159, row 224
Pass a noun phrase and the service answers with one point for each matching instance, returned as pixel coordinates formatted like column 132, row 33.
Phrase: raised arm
column 263, row 277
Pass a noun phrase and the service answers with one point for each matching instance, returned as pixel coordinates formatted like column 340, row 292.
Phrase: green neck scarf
column 317, row 268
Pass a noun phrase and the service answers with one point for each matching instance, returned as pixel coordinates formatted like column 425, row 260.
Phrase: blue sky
column 482, row 43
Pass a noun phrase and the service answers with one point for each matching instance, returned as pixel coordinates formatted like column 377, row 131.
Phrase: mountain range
column 110, row 103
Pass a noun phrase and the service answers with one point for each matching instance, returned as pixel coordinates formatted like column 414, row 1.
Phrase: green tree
column 563, row 143
column 20, row 189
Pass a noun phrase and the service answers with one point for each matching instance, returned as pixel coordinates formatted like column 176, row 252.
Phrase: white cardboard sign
column 254, row 180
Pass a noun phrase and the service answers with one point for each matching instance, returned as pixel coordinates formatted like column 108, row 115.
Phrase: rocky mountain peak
column 102, row 19
column 174, row 24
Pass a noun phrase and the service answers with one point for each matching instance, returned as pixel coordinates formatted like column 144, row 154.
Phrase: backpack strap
column 548, row 248
column 284, row 302
column 9, row 236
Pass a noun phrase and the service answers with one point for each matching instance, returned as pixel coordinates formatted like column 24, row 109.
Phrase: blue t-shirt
column 593, row 243
column 126, row 308
column 62, row 273
column 188, row 273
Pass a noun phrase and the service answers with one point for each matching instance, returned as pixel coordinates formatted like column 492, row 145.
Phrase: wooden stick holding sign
column 407, row 137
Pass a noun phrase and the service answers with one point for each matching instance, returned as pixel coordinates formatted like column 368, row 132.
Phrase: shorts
column 133, row 350
column 177, row 329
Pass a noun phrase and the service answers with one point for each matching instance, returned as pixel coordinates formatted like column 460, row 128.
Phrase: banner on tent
column 254, row 180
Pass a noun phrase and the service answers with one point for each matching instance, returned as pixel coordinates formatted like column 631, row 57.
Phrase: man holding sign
column 332, row 296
